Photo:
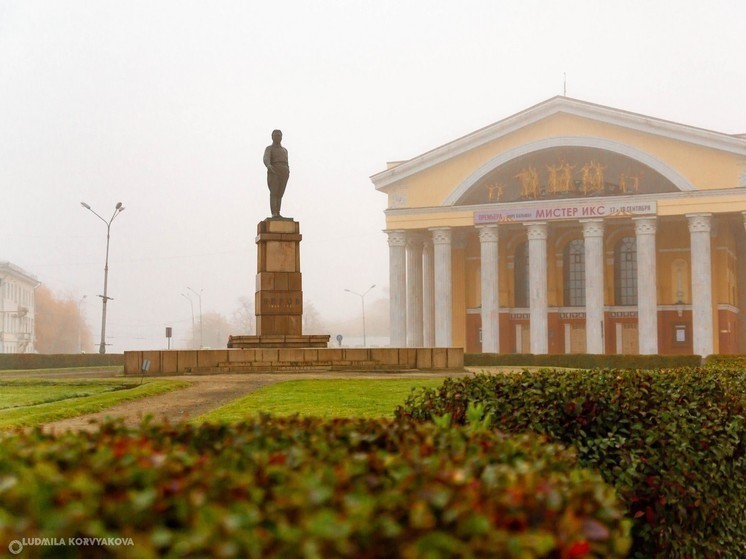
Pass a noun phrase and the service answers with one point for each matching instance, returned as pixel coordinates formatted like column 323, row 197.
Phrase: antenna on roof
column 564, row 88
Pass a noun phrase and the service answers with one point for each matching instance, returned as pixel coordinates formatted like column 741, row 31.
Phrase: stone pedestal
column 279, row 290
column 278, row 299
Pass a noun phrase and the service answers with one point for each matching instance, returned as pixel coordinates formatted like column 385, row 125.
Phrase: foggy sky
column 167, row 106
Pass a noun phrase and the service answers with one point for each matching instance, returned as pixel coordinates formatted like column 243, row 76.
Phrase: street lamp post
column 191, row 305
column 362, row 302
column 117, row 210
column 201, row 330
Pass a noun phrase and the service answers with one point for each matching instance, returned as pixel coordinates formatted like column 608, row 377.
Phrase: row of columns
column 420, row 275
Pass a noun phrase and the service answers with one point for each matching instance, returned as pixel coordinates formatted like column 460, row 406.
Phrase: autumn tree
column 59, row 326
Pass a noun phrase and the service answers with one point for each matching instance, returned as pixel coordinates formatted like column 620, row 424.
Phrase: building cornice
column 15, row 271
column 628, row 199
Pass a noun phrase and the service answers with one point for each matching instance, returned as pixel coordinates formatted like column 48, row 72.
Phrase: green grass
column 29, row 402
column 23, row 393
column 321, row 398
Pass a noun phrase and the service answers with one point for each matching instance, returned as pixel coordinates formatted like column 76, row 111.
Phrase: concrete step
column 291, row 366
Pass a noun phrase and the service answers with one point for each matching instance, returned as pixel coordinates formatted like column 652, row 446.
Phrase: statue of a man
column 278, row 172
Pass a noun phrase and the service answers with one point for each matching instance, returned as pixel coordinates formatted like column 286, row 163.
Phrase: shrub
column 581, row 360
column 730, row 361
column 671, row 442
column 295, row 487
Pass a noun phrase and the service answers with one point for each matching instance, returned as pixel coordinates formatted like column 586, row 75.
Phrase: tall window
column 625, row 272
column 520, row 275
column 574, row 271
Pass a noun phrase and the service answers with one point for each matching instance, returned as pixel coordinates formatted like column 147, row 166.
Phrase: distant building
column 16, row 309
column 571, row 227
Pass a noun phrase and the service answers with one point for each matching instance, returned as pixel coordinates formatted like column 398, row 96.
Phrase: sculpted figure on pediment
column 529, row 178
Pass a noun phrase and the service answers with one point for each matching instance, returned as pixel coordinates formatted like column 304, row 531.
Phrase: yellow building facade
column 571, row 227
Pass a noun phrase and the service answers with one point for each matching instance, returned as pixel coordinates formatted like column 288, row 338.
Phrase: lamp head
column 86, row 206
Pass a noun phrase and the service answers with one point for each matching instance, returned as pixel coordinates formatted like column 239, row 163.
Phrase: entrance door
column 630, row 339
column 577, row 338
column 522, row 338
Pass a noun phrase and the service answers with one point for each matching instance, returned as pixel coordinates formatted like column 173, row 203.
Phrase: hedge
column 670, row 441
column 58, row 361
column 581, row 360
column 292, row 487
column 730, row 361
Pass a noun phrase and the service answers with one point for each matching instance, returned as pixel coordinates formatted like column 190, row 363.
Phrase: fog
column 167, row 107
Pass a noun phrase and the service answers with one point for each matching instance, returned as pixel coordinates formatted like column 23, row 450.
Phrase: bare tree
column 244, row 317
column 312, row 321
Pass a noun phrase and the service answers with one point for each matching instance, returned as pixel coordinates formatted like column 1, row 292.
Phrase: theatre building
column 571, row 227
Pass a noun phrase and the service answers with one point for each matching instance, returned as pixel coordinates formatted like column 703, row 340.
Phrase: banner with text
column 549, row 212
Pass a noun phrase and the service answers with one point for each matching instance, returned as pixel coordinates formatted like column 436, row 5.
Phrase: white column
column 647, row 291
column 699, row 233
column 593, row 241
column 488, row 242
column 537, row 285
column 397, row 288
column 443, row 297
column 428, row 294
column 741, row 286
column 414, row 290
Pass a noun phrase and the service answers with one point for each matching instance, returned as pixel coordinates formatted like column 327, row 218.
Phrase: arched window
column 520, row 275
column 625, row 272
column 574, row 271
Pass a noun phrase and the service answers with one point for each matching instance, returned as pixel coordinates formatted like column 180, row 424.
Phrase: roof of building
column 9, row 268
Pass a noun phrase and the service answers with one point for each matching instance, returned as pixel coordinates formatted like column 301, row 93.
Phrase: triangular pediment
column 663, row 177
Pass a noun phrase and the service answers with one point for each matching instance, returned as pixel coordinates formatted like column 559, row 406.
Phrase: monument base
column 290, row 360
column 278, row 341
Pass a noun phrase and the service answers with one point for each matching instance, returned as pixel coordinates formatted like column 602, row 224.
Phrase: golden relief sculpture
column 592, row 177
column 629, row 185
column 553, row 181
column 495, row 192
column 560, row 178
column 529, row 178
column 561, row 181
column 565, row 178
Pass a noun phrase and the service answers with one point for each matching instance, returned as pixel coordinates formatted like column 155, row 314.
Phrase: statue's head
column 276, row 135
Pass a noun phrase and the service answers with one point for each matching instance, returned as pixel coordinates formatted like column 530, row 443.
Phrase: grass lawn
column 29, row 402
column 321, row 398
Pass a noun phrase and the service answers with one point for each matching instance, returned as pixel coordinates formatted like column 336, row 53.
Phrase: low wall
column 58, row 361
column 207, row 361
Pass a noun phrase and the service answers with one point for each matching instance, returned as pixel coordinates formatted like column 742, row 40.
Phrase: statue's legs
column 274, row 205
column 277, row 183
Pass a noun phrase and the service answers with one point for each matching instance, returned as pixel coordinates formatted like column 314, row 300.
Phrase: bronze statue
column 278, row 172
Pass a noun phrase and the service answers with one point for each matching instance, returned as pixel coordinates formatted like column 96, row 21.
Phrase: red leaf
column 579, row 549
